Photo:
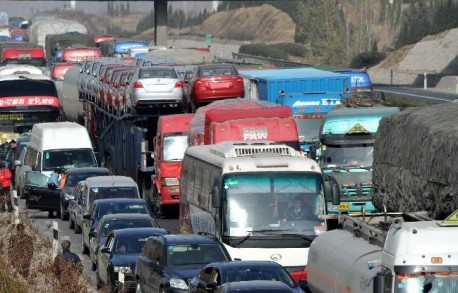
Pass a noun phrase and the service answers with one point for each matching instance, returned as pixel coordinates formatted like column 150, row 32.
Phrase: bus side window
column 191, row 181
column 184, row 177
column 197, row 194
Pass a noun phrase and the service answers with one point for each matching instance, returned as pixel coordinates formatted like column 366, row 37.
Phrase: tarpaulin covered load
column 416, row 159
column 39, row 30
column 231, row 109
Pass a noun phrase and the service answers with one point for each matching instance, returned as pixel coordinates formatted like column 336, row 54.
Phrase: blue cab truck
column 347, row 137
column 310, row 92
column 361, row 83
column 120, row 47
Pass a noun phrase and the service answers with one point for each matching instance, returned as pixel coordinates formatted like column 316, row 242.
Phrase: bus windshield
column 27, row 87
column 429, row 282
column 268, row 203
column 347, row 156
column 174, row 147
column 68, row 159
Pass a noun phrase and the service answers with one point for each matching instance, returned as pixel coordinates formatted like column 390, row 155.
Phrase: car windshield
column 174, row 147
column 74, row 178
column 189, row 254
column 121, row 208
column 217, row 71
column 308, row 129
column 265, row 203
column 347, row 156
column 258, row 273
column 113, row 224
column 132, row 244
column 446, row 282
column 112, row 192
column 68, row 159
column 157, row 73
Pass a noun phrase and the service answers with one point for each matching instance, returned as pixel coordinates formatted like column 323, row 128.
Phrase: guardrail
column 252, row 59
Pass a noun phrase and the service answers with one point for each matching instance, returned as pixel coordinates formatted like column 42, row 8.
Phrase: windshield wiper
column 305, row 237
column 259, row 231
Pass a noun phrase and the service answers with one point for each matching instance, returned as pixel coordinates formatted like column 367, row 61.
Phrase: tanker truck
column 386, row 252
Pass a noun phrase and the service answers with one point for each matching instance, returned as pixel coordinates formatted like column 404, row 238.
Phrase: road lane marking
column 415, row 95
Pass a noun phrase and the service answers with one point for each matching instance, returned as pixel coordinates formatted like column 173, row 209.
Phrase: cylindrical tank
column 339, row 262
column 71, row 106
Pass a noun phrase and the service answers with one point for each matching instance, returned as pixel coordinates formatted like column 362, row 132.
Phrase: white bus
column 240, row 192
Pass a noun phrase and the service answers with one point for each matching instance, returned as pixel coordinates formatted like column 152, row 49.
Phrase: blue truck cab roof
column 289, row 74
column 355, row 120
column 359, row 78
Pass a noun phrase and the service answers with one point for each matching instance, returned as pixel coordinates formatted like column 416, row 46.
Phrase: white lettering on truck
column 255, row 133
column 324, row 102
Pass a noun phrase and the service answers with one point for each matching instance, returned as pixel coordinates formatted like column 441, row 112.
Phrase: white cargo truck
column 380, row 253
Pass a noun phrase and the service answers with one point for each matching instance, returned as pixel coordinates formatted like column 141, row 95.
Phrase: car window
column 121, row 208
column 111, row 225
column 157, row 73
column 217, row 71
column 131, row 244
column 112, row 192
column 194, row 254
column 36, row 179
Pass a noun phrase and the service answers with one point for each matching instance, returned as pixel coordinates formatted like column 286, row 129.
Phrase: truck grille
column 282, row 150
column 357, row 189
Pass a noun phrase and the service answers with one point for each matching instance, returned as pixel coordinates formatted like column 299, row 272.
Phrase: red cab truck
column 243, row 120
column 33, row 56
column 79, row 54
column 170, row 143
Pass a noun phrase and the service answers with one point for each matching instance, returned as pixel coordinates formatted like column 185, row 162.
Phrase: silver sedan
column 156, row 87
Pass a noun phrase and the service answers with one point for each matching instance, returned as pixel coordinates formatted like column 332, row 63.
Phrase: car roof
column 175, row 239
column 88, row 170
column 110, row 181
column 144, row 231
column 126, row 216
column 107, row 201
column 245, row 264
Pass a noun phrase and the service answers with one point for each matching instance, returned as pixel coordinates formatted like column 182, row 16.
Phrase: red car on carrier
column 212, row 82
column 170, row 143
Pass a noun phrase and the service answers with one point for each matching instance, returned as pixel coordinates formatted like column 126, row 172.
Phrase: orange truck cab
column 80, row 54
column 170, row 144
column 244, row 120
column 32, row 56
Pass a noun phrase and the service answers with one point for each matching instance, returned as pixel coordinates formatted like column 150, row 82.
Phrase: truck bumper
column 170, row 194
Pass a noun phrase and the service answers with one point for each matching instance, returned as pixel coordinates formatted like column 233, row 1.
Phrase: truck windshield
column 174, row 147
column 431, row 282
column 68, row 159
column 347, row 156
column 264, row 203
column 308, row 129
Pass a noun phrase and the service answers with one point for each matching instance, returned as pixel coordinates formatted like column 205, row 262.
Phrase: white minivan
column 59, row 144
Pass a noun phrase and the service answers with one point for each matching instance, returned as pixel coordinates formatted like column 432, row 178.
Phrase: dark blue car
column 169, row 262
column 216, row 274
column 116, row 259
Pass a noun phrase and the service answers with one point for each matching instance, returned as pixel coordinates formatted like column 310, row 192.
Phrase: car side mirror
column 380, row 282
column 216, row 197
column 105, row 249
column 17, row 163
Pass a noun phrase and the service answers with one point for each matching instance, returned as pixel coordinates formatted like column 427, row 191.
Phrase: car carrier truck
column 310, row 93
column 387, row 252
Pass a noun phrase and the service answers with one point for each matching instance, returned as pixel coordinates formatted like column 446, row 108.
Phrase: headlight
column 178, row 283
column 170, row 181
column 124, row 270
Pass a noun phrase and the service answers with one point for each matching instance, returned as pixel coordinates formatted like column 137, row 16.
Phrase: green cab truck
column 347, row 137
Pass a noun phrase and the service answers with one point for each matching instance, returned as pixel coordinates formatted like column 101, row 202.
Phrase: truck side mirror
column 331, row 189
column 380, row 282
column 216, row 195
column 335, row 193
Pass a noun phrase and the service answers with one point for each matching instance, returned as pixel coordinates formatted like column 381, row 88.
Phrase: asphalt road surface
column 43, row 225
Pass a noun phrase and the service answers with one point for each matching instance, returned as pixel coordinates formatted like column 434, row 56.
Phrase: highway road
column 43, row 225
column 417, row 94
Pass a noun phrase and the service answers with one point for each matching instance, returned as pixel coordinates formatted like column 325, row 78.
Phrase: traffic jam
column 267, row 170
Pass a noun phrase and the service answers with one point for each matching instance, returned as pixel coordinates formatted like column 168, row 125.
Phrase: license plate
column 220, row 85
column 24, row 55
column 344, row 206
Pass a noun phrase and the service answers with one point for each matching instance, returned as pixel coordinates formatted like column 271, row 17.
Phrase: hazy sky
column 27, row 8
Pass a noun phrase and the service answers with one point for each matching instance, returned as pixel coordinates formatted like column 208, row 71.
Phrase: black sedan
column 112, row 222
column 117, row 257
column 216, row 274
column 73, row 177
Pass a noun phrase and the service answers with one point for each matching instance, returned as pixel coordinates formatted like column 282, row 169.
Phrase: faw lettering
column 255, row 133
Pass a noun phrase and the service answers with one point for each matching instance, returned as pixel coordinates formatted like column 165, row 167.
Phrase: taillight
column 138, row 85
column 179, row 84
column 239, row 80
